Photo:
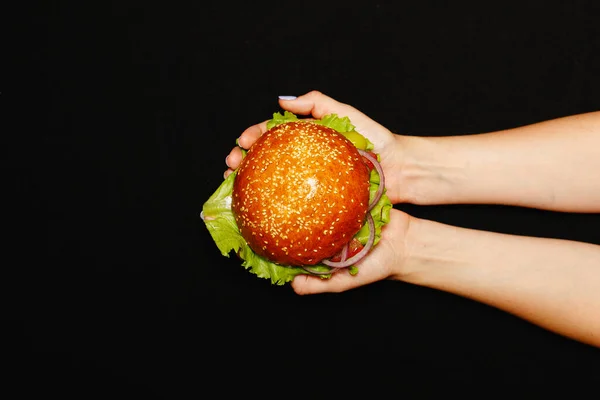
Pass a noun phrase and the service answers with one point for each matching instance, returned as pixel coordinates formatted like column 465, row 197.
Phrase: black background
column 120, row 288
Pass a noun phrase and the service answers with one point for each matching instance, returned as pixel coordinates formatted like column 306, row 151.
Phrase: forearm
column 552, row 283
column 553, row 165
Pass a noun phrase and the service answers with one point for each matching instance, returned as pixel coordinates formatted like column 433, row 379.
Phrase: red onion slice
column 345, row 252
column 363, row 252
column 315, row 272
column 379, row 169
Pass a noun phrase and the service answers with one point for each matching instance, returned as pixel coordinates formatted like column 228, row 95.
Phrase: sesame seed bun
column 300, row 194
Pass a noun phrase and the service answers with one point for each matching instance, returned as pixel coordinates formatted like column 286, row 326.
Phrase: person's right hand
column 317, row 105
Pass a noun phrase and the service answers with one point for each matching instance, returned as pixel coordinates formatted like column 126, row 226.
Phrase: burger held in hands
column 308, row 198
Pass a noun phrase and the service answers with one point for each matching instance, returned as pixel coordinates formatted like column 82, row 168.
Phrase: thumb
column 339, row 282
column 318, row 105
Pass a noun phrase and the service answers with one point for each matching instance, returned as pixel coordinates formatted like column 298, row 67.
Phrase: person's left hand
column 385, row 261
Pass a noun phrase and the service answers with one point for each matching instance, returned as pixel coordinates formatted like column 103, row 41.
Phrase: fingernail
column 227, row 160
column 287, row 97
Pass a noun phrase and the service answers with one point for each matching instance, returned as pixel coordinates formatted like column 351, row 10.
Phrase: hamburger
column 308, row 198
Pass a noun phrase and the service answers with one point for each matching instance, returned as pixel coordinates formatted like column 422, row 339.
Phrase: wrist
column 430, row 173
column 431, row 250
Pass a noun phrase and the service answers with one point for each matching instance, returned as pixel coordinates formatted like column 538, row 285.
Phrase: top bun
column 300, row 194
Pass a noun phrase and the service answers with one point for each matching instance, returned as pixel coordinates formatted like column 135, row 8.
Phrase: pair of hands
column 387, row 258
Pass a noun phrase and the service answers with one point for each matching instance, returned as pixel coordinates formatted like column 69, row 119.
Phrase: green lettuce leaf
column 220, row 221
column 279, row 118
column 380, row 213
column 342, row 125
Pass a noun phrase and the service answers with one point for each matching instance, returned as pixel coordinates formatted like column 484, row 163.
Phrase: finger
column 234, row 158
column 339, row 282
column 228, row 172
column 251, row 134
column 318, row 105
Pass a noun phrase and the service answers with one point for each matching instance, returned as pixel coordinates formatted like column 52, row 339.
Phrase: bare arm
column 552, row 165
column 549, row 282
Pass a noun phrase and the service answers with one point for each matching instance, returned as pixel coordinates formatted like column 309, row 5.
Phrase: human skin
column 551, row 165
